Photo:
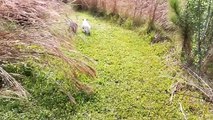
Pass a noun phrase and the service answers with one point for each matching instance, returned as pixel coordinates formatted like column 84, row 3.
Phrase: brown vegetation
column 139, row 10
column 8, row 81
column 23, row 12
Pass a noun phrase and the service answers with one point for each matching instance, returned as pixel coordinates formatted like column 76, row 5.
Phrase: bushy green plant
column 183, row 20
column 194, row 18
column 129, row 24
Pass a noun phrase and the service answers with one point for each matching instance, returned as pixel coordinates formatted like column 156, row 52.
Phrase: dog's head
column 85, row 19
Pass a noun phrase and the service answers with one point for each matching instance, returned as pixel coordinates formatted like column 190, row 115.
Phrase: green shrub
column 128, row 24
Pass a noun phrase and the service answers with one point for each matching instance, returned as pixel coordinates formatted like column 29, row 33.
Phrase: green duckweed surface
column 133, row 80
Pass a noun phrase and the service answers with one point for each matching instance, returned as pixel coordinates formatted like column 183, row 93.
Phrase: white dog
column 86, row 27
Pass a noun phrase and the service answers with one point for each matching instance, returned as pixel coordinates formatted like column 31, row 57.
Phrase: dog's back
column 86, row 27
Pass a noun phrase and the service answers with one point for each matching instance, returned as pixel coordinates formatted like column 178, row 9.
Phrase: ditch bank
column 138, row 10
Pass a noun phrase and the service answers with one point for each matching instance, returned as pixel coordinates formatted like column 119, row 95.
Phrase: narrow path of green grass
column 130, row 83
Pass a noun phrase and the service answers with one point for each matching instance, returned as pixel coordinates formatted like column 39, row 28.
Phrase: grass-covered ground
column 132, row 77
column 132, row 82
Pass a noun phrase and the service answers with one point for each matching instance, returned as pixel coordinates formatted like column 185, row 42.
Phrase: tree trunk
column 187, row 47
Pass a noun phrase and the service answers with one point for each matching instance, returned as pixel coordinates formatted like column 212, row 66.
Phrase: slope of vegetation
column 33, row 53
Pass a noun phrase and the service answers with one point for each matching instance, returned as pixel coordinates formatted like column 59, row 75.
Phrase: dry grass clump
column 10, row 82
column 39, row 36
column 28, row 12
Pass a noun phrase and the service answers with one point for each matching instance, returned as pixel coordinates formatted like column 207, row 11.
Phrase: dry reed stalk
column 17, row 88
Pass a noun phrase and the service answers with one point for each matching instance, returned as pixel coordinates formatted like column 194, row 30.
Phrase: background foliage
column 195, row 21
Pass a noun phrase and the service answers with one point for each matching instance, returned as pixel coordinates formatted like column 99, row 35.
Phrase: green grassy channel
column 131, row 83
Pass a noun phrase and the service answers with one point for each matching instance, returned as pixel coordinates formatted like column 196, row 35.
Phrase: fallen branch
column 181, row 109
column 202, row 85
column 196, row 76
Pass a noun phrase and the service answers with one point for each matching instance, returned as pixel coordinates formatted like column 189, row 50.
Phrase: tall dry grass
column 31, row 20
